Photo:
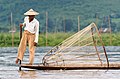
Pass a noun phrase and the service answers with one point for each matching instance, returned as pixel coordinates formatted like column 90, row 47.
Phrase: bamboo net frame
column 84, row 47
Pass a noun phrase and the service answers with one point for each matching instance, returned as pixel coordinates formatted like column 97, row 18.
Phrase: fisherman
column 30, row 35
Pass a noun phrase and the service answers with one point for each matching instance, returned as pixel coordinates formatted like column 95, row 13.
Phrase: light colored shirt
column 32, row 27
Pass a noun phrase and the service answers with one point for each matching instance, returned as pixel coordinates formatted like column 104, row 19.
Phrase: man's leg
column 31, row 39
column 22, row 48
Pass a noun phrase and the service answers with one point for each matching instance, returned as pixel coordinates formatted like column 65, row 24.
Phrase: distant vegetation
column 52, row 40
column 61, row 13
column 55, row 39
column 62, row 17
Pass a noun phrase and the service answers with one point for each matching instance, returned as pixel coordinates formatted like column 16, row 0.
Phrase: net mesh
column 84, row 47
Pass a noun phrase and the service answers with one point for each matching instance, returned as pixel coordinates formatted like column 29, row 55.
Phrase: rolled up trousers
column 27, row 37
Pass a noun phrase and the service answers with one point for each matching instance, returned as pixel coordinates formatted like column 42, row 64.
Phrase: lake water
column 9, row 70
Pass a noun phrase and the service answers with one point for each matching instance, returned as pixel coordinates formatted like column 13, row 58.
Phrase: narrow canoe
column 84, row 66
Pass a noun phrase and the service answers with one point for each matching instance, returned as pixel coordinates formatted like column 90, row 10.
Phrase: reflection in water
column 28, row 74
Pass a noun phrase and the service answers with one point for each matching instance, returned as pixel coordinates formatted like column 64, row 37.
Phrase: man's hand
column 21, row 25
column 35, row 44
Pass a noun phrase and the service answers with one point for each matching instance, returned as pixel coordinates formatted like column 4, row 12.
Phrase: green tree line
column 61, row 13
column 54, row 39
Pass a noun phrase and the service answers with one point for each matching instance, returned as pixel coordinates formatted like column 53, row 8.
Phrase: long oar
column 20, row 40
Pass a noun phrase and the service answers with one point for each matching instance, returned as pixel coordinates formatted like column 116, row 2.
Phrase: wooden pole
column 12, row 39
column 11, row 20
column 55, row 26
column 78, row 23
column 109, row 25
column 96, row 24
column 64, row 24
column 5, row 40
column 46, row 28
column 20, row 40
column 94, row 42
column 102, row 45
column 20, row 33
column 96, row 20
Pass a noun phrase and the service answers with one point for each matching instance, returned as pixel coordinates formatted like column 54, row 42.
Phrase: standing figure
column 30, row 36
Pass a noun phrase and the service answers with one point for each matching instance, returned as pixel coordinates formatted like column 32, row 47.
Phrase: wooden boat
column 79, row 51
column 83, row 66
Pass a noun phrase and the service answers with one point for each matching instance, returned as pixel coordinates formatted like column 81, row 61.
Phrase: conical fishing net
column 84, row 48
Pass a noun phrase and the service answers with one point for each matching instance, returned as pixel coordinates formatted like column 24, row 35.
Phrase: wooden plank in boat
column 42, row 67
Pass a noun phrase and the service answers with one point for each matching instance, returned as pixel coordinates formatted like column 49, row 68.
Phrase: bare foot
column 17, row 60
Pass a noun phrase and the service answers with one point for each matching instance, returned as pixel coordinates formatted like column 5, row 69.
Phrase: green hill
column 61, row 13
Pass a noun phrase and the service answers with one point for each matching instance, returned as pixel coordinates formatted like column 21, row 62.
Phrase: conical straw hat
column 31, row 12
